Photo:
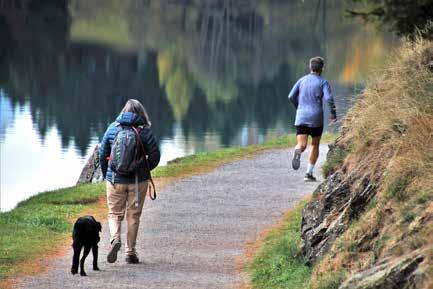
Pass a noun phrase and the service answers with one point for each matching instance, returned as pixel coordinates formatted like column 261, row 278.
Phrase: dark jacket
column 149, row 142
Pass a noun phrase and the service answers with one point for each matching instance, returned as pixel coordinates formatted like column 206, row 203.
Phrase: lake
column 211, row 74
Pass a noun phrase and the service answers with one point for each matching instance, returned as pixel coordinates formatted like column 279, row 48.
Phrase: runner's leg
column 302, row 140
column 314, row 153
column 300, row 147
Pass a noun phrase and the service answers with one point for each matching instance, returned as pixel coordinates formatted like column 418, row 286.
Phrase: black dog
column 85, row 234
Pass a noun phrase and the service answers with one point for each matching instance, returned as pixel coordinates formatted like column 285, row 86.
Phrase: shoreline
column 160, row 169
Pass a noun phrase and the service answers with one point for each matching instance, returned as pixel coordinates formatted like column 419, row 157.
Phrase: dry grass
column 390, row 135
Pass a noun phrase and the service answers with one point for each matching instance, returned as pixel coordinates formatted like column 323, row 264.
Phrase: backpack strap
column 146, row 161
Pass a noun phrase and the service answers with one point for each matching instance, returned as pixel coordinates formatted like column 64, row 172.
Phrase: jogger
column 306, row 95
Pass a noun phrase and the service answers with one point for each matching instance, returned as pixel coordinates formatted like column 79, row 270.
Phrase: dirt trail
column 192, row 235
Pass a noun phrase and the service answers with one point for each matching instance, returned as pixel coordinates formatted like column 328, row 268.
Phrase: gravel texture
column 192, row 235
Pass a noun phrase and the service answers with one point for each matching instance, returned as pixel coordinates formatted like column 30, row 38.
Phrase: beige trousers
column 120, row 200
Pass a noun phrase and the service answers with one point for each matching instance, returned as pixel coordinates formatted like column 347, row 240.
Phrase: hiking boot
column 309, row 178
column 132, row 259
column 112, row 254
column 296, row 161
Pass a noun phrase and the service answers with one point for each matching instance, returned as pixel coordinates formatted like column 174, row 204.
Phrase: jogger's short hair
column 316, row 64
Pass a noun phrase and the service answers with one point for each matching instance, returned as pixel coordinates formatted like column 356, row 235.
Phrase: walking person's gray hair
column 316, row 64
column 133, row 105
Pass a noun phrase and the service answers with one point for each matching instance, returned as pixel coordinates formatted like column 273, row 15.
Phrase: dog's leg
column 75, row 258
column 95, row 257
column 85, row 253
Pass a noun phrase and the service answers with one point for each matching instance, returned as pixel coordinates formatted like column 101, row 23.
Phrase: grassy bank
column 38, row 225
column 278, row 263
column 388, row 137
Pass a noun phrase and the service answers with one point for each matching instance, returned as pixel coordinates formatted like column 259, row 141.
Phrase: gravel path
column 191, row 236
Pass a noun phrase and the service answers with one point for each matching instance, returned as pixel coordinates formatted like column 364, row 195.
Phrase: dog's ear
column 99, row 226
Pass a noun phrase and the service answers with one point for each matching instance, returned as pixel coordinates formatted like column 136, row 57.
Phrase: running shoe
column 309, row 178
column 296, row 162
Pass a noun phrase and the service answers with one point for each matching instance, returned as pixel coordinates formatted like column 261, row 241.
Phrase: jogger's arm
column 294, row 93
column 327, row 94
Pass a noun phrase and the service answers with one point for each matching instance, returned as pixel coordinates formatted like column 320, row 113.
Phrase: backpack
column 128, row 155
column 127, row 152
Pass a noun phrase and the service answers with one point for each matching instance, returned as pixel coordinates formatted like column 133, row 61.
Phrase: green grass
column 335, row 160
column 37, row 224
column 279, row 263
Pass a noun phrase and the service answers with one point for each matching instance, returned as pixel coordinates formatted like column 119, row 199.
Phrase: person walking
column 127, row 153
column 307, row 96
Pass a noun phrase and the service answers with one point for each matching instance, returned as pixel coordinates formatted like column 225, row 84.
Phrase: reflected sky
column 211, row 74
column 27, row 161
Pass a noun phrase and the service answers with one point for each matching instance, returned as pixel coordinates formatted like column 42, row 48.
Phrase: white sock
column 310, row 169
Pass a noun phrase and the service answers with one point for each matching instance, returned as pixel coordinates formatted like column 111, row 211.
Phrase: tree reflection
column 212, row 66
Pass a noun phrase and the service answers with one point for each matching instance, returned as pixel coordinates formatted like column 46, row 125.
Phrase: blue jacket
column 307, row 95
column 149, row 142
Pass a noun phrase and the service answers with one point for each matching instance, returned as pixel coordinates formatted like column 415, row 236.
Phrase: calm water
column 212, row 74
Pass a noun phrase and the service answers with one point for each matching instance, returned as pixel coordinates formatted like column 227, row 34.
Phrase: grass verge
column 38, row 225
column 279, row 264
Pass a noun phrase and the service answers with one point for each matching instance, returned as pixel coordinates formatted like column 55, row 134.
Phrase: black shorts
column 313, row 131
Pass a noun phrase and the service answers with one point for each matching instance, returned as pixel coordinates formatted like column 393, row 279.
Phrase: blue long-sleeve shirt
column 307, row 95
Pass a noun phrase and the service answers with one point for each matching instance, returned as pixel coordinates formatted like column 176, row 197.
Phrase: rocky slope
column 370, row 224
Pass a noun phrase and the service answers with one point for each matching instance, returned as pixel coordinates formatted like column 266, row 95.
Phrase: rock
column 401, row 273
column 91, row 172
column 336, row 203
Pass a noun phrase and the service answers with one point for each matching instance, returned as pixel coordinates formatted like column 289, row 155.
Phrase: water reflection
column 30, row 163
column 211, row 74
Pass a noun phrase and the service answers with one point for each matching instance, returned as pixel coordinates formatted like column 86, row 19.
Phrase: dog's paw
column 82, row 273
column 96, row 269
column 74, row 271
